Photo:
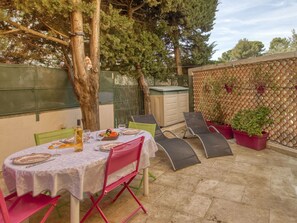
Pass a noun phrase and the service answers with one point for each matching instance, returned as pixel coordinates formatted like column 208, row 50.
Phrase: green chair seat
column 45, row 137
column 151, row 128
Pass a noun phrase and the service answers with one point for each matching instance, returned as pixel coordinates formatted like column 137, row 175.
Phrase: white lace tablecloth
column 76, row 172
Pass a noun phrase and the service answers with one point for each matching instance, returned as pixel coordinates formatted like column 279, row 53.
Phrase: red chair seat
column 17, row 209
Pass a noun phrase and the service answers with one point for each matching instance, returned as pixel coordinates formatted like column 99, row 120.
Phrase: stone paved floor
column 249, row 187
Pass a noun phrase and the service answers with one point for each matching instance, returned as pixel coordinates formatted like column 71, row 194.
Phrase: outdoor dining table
column 76, row 172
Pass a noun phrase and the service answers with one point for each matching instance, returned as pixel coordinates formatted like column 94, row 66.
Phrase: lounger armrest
column 190, row 130
column 211, row 126
column 170, row 133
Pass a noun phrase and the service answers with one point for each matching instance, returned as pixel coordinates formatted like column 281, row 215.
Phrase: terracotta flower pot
column 253, row 142
column 225, row 130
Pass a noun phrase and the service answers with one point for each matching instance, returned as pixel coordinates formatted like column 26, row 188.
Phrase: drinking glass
column 121, row 127
column 86, row 135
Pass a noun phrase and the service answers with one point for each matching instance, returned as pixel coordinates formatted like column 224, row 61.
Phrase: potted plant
column 229, row 81
column 261, row 78
column 248, row 127
column 215, row 110
column 207, row 85
column 229, row 84
column 217, row 119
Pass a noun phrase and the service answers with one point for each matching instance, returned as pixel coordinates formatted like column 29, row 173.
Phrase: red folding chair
column 16, row 209
column 120, row 157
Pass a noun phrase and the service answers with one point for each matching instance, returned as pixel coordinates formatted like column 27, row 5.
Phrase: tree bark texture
column 178, row 63
column 85, row 69
column 146, row 92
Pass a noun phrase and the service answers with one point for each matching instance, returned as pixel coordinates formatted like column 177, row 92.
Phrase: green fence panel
column 27, row 89
column 49, row 99
column 16, row 77
column 17, row 101
column 127, row 101
column 52, row 78
column 106, row 87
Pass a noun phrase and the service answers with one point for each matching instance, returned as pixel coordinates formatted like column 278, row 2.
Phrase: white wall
column 17, row 132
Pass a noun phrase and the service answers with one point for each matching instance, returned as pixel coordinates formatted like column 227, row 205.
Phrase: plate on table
column 107, row 147
column 131, row 131
column 60, row 145
column 31, row 158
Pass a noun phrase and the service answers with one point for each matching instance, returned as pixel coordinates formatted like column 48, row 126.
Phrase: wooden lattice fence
column 280, row 93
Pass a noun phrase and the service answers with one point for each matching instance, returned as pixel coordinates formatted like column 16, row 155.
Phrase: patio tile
column 247, row 179
column 211, row 173
column 283, row 182
column 156, row 213
column 264, row 198
column 252, row 158
column 229, row 211
column 179, row 216
column 173, row 198
column 233, row 192
column 277, row 217
column 178, row 181
column 196, row 205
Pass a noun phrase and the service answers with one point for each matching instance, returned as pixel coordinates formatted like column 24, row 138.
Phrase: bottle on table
column 78, row 137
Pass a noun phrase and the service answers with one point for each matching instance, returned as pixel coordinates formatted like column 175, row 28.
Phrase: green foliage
column 280, row 45
column 252, row 121
column 293, row 41
column 261, row 76
column 183, row 28
column 242, row 50
column 123, row 46
column 212, row 85
column 245, row 49
column 228, row 79
column 226, row 56
column 231, row 81
column 217, row 114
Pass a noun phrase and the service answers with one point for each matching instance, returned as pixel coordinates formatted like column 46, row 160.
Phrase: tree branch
column 55, row 31
column 35, row 33
column 9, row 31
column 138, row 7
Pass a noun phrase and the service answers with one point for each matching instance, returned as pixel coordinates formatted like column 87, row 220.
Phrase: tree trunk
column 85, row 76
column 178, row 63
column 146, row 92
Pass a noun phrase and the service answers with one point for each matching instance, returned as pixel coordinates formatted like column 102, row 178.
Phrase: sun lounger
column 179, row 152
column 214, row 143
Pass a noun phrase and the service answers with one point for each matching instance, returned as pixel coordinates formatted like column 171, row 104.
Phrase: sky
column 256, row 20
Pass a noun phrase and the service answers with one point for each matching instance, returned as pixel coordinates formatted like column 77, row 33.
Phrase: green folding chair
column 45, row 137
column 151, row 128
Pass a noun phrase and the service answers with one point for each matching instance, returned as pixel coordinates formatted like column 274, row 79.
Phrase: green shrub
column 252, row 121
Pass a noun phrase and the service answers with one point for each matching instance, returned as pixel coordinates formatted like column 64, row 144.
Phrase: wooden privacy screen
column 280, row 93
